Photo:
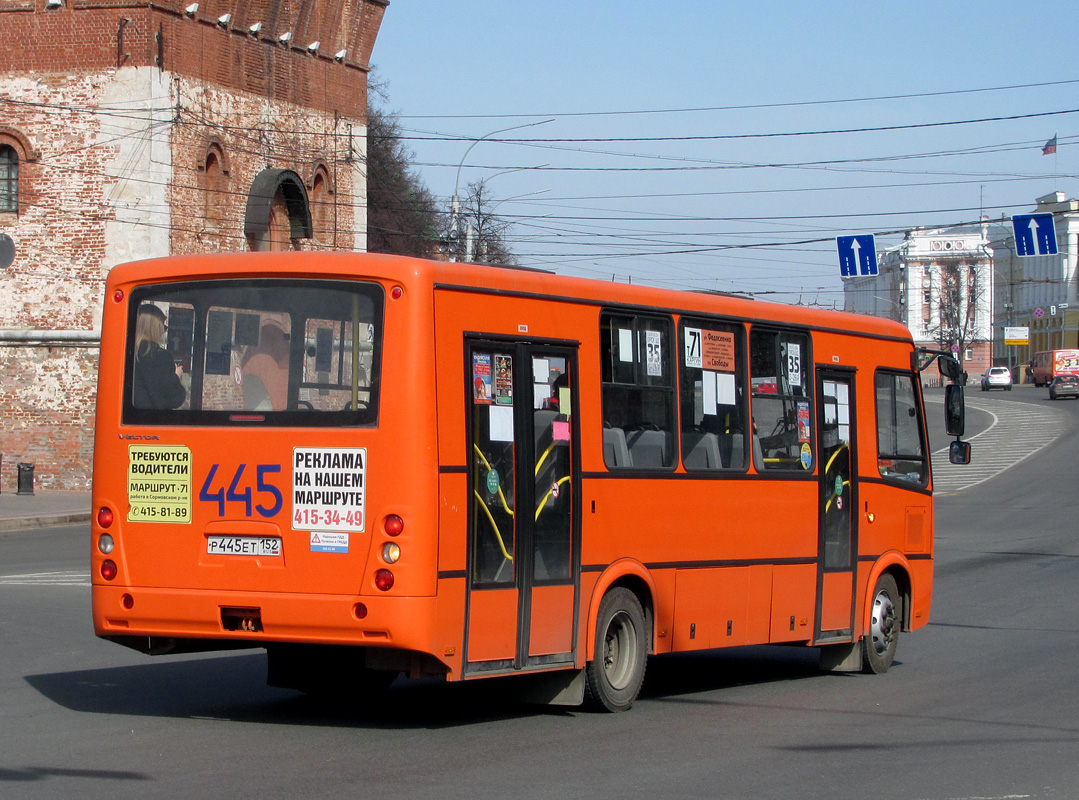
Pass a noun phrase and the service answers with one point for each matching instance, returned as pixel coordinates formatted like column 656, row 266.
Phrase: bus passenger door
column 524, row 516
column 838, row 497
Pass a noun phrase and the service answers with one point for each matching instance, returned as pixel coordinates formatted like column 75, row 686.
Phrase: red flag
column 1050, row 146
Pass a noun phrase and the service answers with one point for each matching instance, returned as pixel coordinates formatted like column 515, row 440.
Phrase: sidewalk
column 42, row 509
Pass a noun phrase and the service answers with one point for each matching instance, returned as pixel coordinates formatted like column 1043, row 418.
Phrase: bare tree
column 477, row 234
column 958, row 297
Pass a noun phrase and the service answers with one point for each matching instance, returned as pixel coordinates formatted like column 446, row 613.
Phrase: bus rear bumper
column 161, row 621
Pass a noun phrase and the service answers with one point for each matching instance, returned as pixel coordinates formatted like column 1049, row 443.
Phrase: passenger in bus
column 157, row 376
column 265, row 370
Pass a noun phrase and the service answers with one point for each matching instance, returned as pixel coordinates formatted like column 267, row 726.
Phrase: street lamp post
column 455, row 205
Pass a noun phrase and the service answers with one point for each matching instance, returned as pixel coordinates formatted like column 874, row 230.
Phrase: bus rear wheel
column 616, row 673
column 885, row 620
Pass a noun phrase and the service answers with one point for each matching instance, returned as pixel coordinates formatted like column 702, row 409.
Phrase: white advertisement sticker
column 794, row 364
column 693, row 357
column 654, row 353
column 329, row 542
column 329, row 488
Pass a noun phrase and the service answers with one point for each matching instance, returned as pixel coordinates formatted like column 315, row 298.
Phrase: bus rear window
column 279, row 352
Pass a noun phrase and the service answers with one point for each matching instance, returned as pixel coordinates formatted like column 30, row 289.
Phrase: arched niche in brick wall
column 321, row 202
column 271, row 191
column 215, row 170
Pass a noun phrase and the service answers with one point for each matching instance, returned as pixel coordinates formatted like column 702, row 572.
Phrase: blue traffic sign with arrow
column 857, row 255
column 1035, row 235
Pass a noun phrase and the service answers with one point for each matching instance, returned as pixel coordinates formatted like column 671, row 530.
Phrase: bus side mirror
column 955, row 418
column 950, row 368
column 959, row 452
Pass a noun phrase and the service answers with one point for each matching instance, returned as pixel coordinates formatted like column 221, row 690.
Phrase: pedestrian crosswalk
column 1018, row 431
column 74, row 577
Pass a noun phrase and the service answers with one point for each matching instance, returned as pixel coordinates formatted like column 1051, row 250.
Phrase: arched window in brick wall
column 278, row 214
column 9, row 178
column 15, row 154
column 322, row 212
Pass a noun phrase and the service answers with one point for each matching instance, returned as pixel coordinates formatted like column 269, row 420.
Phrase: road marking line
column 1030, row 430
column 65, row 578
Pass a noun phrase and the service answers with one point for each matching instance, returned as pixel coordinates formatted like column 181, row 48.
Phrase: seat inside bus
column 701, row 451
column 648, row 448
column 615, row 451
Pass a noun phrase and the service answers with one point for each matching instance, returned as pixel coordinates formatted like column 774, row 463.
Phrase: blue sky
column 724, row 188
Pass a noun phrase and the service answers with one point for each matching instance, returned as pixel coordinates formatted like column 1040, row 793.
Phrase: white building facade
column 1039, row 292
column 939, row 283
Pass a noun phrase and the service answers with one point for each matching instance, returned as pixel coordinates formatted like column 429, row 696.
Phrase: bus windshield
column 279, row 352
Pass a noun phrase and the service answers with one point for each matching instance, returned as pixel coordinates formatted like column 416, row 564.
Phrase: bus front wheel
column 616, row 672
column 884, row 624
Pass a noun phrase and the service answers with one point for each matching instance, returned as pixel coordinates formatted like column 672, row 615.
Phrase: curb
column 9, row 524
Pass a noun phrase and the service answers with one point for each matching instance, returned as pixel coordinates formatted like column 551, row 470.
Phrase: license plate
column 243, row 545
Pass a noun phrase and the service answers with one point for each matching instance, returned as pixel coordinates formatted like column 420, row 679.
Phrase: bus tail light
column 105, row 544
column 393, row 525
column 391, row 552
column 105, row 517
column 108, row 569
column 384, row 580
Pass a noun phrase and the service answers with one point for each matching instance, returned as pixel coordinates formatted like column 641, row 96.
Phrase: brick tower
column 132, row 130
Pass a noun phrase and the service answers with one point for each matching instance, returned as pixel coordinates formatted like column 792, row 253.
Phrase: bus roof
column 497, row 280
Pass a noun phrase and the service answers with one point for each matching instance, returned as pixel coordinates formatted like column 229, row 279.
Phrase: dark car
column 1064, row 386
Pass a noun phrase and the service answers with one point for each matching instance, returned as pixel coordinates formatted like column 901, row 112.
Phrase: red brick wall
column 98, row 35
column 104, row 180
column 47, row 396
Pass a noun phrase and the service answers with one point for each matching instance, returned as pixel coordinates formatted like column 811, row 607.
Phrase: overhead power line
column 769, row 135
column 794, row 104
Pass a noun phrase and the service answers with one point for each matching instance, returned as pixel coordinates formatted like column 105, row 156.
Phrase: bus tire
column 616, row 673
column 885, row 620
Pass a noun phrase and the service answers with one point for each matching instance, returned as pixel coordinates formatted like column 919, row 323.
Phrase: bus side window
column 638, row 391
column 781, row 405
column 713, row 396
column 900, row 434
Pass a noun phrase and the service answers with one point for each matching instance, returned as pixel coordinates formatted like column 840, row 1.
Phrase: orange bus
column 1047, row 364
column 375, row 465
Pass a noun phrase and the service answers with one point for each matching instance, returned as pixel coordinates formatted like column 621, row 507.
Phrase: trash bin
column 26, row 478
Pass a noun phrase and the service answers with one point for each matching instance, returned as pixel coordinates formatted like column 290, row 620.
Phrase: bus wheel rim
column 882, row 626
column 620, row 650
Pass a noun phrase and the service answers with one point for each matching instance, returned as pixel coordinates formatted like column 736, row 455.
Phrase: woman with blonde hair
column 157, row 378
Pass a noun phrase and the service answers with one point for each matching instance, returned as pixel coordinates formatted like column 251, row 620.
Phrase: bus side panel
column 701, row 522
column 838, row 588
column 710, row 608
column 722, row 607
column 547, row 632
column 793, row 602
column 492, row 630
column 448, row 623
column 921, row 579
column 662, row 521
column 453, row 522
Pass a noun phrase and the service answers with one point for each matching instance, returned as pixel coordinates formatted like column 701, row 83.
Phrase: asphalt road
column 984, row 703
